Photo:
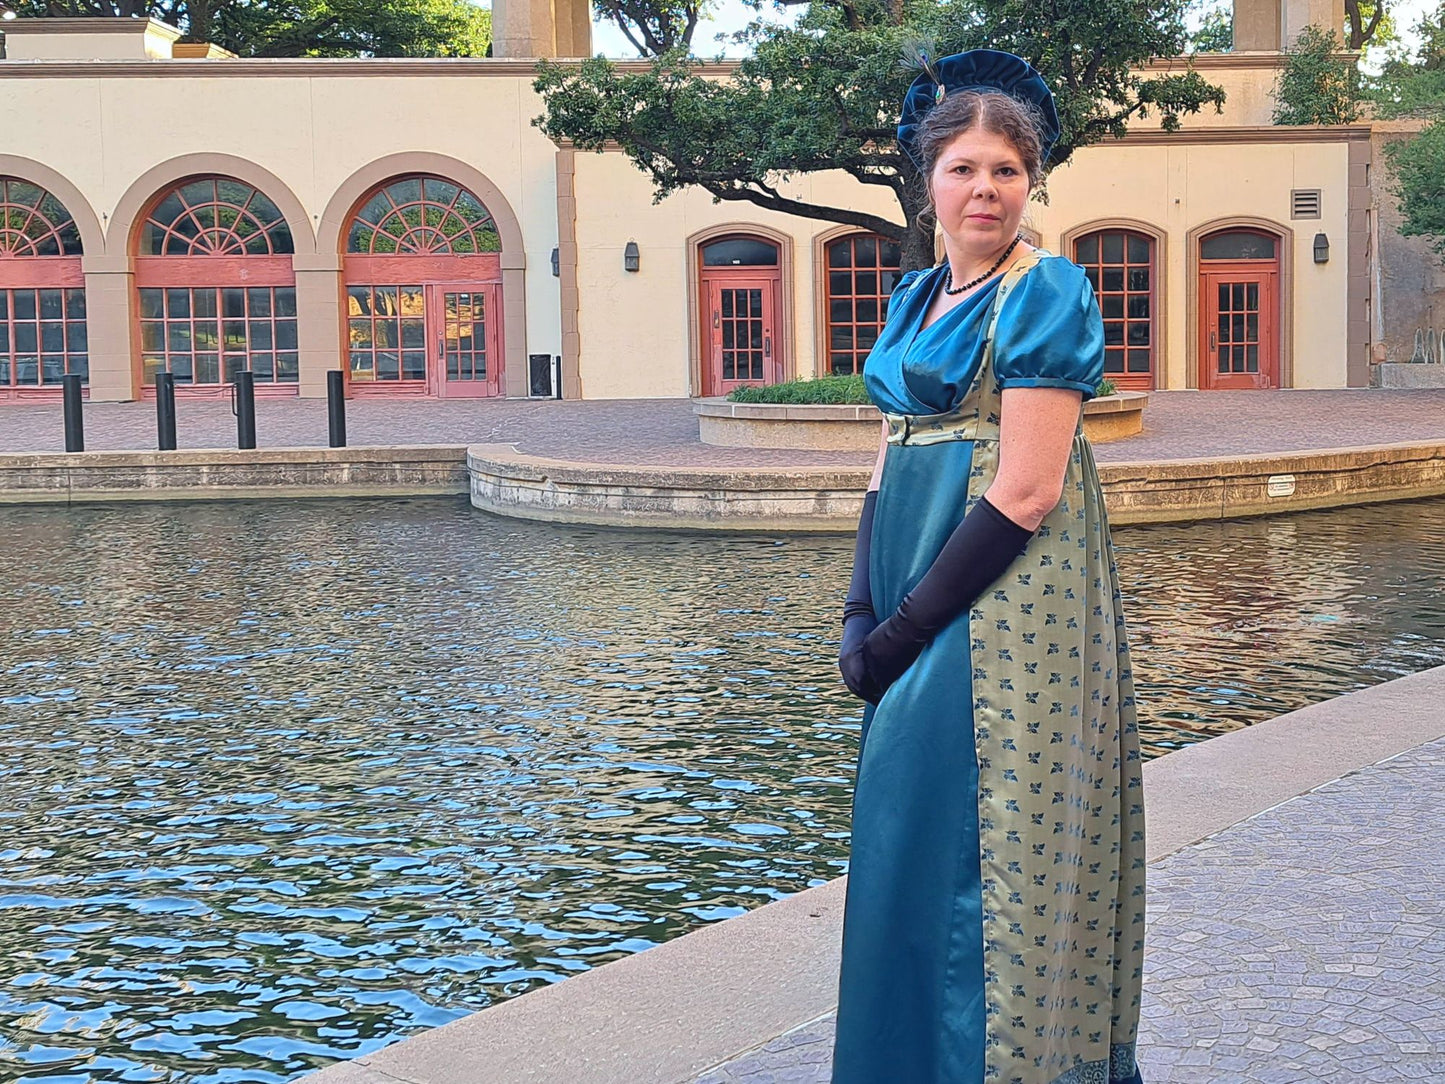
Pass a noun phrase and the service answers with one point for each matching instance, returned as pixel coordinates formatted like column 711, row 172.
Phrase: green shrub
column 1106, row 387
column 1317, row 85
column 846, row 390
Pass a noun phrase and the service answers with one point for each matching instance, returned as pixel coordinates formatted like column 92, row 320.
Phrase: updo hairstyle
column 991, row 110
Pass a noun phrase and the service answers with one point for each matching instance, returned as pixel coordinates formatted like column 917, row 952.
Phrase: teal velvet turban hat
column 977, row 69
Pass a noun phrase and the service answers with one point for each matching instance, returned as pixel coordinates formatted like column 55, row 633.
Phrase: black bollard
column 166, row 412
column 74, row 420
column 336, row 408
column 243, row 405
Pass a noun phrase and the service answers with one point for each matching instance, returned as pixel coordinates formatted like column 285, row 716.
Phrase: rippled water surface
column 282, row 782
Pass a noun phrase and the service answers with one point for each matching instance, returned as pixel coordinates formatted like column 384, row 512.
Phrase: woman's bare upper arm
column 1036, row 437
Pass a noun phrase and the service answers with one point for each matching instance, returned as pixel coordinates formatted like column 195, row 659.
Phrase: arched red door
column 42, row 294
column 1239, row 310
column 216, row 290
column 740, row 301
column 423, row 267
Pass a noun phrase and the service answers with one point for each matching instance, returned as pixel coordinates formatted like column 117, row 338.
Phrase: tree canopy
column 654, row 27
column 1317, row 85
column 1414, row 87
column 296, row 28
column 824, row 94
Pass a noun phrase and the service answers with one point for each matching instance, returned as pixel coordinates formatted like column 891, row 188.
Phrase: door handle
column 1213, row 342
column 767, row 346
column 716, row 319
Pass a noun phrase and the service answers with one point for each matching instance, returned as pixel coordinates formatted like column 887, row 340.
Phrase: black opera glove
column 851, row 660
column 858, row 617
column 978, row 552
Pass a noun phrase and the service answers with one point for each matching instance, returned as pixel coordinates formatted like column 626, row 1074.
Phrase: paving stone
column 1178, row 424
column 1356, row 925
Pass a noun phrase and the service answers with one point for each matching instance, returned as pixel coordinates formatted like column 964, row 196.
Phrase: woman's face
column 980, row 190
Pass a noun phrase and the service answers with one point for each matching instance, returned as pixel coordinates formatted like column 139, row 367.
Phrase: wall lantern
column 556, row 263
column 630, row 257
column 1322, row 248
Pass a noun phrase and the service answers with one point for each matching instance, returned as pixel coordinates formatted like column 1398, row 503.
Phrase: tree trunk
column 917, row 249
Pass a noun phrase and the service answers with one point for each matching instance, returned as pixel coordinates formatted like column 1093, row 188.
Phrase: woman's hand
column 853, row 663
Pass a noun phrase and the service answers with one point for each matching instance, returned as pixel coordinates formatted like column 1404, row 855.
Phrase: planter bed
column 855, row 428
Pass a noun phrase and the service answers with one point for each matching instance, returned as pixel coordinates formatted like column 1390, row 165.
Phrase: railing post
column 74, row 419
column 336, row 408
column 244, row 407
column 166, row 412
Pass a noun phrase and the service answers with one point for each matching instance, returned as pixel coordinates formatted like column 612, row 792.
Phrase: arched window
column 1120, row 266
column 42, row 293
column 861, row 272
column 423, row 292
column 217, row 289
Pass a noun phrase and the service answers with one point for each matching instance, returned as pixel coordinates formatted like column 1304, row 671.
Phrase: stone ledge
column 828, row 499
column 228, row 473
column 1397, row 375
column 1181, row 490
column 509, row 483
column 672, row 1012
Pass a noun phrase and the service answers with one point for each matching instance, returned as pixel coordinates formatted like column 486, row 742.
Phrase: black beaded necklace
column 952, row 291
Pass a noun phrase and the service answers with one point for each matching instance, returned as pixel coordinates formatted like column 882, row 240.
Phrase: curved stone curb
column 229, row 473
column 509, row 483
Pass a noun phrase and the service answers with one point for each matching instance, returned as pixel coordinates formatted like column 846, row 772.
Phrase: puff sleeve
column 1050, row 334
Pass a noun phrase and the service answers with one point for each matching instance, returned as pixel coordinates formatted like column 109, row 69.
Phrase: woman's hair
column 991, row 110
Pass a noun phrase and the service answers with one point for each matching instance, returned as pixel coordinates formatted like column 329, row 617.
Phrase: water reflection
column 285, row 781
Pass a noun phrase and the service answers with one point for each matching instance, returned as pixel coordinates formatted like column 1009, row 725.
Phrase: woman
column 995, row 915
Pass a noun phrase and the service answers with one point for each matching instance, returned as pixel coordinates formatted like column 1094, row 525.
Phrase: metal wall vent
column 1304, row 203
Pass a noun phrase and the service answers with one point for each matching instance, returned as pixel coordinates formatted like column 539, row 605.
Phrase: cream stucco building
column 174, row 208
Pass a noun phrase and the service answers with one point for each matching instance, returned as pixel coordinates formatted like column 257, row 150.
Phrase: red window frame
column 1126, row 291
column 224, row 238
column 43, row 330
column 407, row 237
column 230, row 327
column 860, row 278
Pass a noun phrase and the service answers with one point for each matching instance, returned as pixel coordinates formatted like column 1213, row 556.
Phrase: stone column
column 574, row 27
column 1298, row 14
column 318, row 321
column 581, row 28
column 110, row 329
column 1257, row 26
column 514, row 324
column 523, row 28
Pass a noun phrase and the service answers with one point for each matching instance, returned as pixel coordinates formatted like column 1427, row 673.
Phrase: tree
column 1363, row 20
column 1414, row 87
column 1419, row 167
column 1215, row 33
column 654, row 27
column 294, row 28
column 1317, row 85
column 824, row 94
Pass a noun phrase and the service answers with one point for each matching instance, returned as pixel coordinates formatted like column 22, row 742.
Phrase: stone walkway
column 1178, row 424
column 1305, row 945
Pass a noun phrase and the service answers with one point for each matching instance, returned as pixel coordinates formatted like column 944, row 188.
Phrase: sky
column 732, row 15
